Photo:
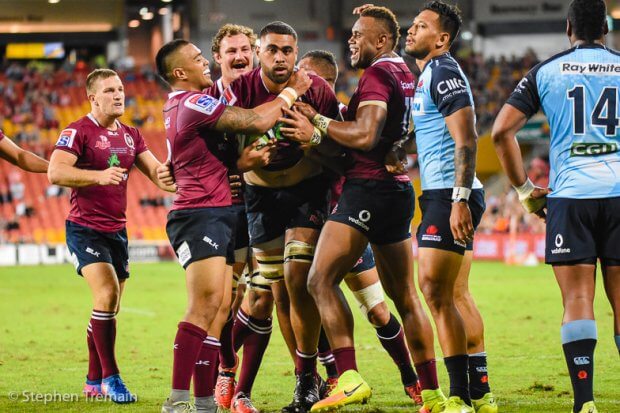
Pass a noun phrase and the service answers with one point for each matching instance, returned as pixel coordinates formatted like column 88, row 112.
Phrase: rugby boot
column 351, row 389
column 92, row 388
column 114, row 388
column 486, row 404
column 414, row 392
column 306, row 394
column 455, row 404
column 205, row 404
column 588, row 407
column 242, row 403
column 182, row 406
column 225, row 387
column 432, row 401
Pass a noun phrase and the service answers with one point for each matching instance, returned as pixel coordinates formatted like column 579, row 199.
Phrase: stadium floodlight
column 148, row 16
column 53, row 1
column 143, row 11
column 166, row 1
column 163, row 11
column 467, row 35
column 134, row 23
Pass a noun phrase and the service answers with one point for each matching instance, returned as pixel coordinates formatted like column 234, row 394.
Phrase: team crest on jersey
column 202, row 103
column 129, row 141
column 103, row 143
column 66, row 138
column 228, row 97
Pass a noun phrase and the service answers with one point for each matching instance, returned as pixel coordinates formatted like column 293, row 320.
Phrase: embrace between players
column 256, row 158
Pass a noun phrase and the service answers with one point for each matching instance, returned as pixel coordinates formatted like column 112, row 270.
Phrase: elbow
column 367, row 143
column 498, row 135
column 52, row 175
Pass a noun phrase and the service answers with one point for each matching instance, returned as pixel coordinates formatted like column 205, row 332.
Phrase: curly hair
column 231, row 30
column 388, row 18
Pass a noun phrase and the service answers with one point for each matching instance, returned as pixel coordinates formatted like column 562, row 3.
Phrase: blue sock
column 618, row 342
column 578, row 342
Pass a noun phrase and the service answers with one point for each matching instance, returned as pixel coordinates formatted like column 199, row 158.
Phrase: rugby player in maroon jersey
column 286, row 201
column 93, row 155
column 375, row 206
column 201, row 223
column 19, row 157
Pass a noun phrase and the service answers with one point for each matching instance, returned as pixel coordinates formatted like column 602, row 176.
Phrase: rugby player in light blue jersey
column 578, row 92
column 452, row 203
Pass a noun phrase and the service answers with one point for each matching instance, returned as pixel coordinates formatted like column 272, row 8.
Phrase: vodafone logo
column 446, row 86
column 559, row 240
column 364, row 216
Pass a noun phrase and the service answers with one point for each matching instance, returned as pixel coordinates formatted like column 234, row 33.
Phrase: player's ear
column 179, row 73
column 606, row 28
column 218, row 58
column 443, row 39
column 569, row 29
column 381, row 40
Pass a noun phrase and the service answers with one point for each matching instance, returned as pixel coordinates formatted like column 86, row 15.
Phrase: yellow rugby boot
column 486, row 404
column 588, row 407
column 433, row 401
column 351, row 388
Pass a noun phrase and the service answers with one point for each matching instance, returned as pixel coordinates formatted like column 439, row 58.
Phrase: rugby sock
column 427, row 371
column 617, row 338
column 254, row 348
column 228, row 356
column 459, row 381
column 578, row 341
column 94, row 365
column 478, row 376
column 187, row 346
column 345, row 359
column 326, row 358
column 304, row 362
column 240, row 329
column 392, row 339
column 103, row 326
column 205, row 370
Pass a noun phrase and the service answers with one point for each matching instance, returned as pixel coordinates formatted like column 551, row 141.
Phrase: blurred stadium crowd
column 38, row 100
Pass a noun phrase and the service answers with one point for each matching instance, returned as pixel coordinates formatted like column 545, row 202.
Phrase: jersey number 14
column 605, row 113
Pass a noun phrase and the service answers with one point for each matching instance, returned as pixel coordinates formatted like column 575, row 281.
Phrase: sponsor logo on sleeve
column 66, row 137
column 455, row 84
column 228, row 97
column 592, row 149
column 202, row 103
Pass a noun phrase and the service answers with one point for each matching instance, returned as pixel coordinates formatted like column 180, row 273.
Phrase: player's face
column 277, row 55
column 235, row 56
column 195, row 67
column 423, row 34
column 109, row 97
column 362, row 42
column 321, row 70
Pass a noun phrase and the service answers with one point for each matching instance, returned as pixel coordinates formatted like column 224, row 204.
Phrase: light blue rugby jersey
column 442, row 90
column 578, row 91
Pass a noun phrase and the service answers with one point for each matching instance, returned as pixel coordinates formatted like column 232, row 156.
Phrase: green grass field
column 44, row 313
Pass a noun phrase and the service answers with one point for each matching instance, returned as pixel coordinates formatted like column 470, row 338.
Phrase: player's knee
column 435, row 294
column 261, row 304
column 372, row 303
column 107, row 298
column 379, row 315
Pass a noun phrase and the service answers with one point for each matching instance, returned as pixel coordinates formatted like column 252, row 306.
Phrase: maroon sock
column 240, row 329
column 392, row 339
column 345, row 359
column 228, row 355
column 187, row 345
column 205, row 370
column 94, row 365
column 254, row 348
column 104, row 334
column 304, row 362
column 427, row 372
column 326, row 358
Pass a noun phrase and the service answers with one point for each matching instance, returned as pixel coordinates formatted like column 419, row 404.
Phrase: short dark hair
column 387, row 17
column 324, row 55
column 450, row 18
column 587, row 19
column 278, row 27
column 162, row 60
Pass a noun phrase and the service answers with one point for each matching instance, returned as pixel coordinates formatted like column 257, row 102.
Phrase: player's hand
column 360, row 9
column 164, row 174
column 536, row 203
column 253, row 157
column 235, row 185
column 461, row 223
column 111, row 176
column 300, row 81
column 396, row 160
column 298, row 128
column 305, row 109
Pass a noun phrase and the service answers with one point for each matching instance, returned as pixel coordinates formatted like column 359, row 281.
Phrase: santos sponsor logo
column 559, row 241
column 573, row 68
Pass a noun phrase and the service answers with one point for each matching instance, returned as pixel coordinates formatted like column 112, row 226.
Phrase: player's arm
column 261, row 118
column 22, row 158
column 253, row 157
column 62, row 171
column 362, row 133
column 396, row 159
column 522, row 104
column 150, row 166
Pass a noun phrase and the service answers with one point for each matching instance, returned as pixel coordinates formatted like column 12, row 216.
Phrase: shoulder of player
column 444, row 66
column 534, row 70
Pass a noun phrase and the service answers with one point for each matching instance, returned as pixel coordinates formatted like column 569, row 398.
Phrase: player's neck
column 581, row 42
column 272, row 86
column 433, row 54
column 385, row 54
column 108, row 122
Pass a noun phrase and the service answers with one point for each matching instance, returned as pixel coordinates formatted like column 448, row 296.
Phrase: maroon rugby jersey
column 249, row 91
column 387, row 80
column 100, row 207
column 201, row 178
column 228, row 148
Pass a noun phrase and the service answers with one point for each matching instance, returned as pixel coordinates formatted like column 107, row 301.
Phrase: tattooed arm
column 463, row 130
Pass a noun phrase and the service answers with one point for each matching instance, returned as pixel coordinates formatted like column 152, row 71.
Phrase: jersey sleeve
column 449, row 90
column 139, row 142
column 326, row 102
column 71, row 140
column 525, row 96
column 200, row 111
column 373, row 86
column 236, row 94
